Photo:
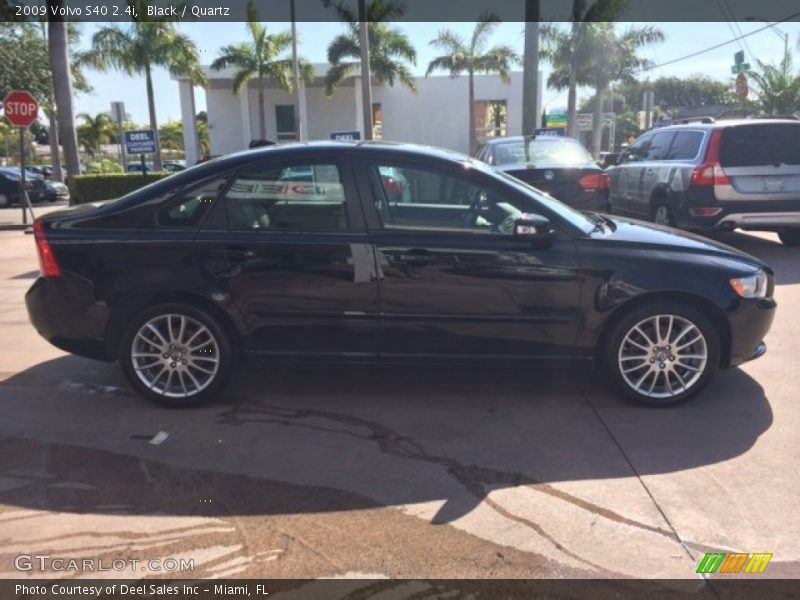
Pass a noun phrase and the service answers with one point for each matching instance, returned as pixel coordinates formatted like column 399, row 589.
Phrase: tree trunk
column 530, row 69
column 572, row 106
column 597, row 122
column 473, row 142
column 55, row 150
column 151, row 106
column 262, row 115
column 58, row 48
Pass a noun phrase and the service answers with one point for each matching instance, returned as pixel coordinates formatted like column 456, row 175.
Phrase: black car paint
column 370, row 292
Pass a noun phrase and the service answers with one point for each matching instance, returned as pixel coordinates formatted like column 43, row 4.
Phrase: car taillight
column 711, row 172
column 47, row 259
column 393, row 186
column 595, row 181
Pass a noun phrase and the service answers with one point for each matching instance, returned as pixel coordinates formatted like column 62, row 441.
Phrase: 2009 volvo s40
column 375, row 250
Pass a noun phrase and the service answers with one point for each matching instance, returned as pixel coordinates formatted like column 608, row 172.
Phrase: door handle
column 233, row 252
column 415, row 257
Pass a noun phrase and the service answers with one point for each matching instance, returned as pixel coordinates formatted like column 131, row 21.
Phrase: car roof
column 539, row 138
column 725, row 123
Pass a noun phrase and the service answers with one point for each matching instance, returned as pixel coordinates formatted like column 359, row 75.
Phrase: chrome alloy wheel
column 662, row 356
column 662, row 216
column 175, row 355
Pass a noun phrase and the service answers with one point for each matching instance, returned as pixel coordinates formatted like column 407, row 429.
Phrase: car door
column 453, row 280
column 651, row 174
column 625, row 179
column 291, row 253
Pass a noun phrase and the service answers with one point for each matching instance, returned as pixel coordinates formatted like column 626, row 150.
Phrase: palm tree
column 258, row 59
column 95, row 131
column 144, row 45
column 778, row 87
column 472, row 56
column 568, row 53
column 613, row 58
column 60, row 64
column 389, row 48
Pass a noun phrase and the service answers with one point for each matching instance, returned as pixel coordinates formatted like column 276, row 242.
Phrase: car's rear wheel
column 4, row 201
column 790, row 237
column 662, row 354
column 176, row 355
column 662, row 215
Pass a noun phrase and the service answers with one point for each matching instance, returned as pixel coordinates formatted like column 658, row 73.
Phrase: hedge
column 106, row 186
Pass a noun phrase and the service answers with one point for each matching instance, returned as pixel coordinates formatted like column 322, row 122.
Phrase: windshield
column 558, row 152
column 572, row 216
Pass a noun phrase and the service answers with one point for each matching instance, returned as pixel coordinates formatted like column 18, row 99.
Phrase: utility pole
column 530, row 68
column 298, row 131
column 366, row 79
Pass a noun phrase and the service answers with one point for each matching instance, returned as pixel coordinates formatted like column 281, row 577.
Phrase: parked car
column 174, row 166
column 714, row 175
column 136, row 167
column 560, row 166
column 299, row 252
column 9, row 187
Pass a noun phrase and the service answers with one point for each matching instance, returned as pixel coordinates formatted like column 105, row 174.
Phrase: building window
column 491, row 119
column 377, row 121
column 284, row 119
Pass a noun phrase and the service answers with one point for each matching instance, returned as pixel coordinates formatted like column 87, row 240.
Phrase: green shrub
column 107, row 186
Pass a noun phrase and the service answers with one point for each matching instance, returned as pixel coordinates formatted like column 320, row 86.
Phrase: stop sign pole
column 21, row 110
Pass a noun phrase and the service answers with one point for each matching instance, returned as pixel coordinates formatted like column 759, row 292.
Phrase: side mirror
column 533, row 227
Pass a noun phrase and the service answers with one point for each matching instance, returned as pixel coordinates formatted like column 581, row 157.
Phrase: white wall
column 437, row 115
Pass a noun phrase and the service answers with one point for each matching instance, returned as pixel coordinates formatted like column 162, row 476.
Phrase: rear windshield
column 544, row 151
column 767, row 144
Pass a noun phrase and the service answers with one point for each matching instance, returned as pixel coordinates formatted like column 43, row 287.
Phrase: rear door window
column 657, row 150
column 761, row 144
column 686, row 145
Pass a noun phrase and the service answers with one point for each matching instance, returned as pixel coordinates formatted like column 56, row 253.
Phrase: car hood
column 648, row 235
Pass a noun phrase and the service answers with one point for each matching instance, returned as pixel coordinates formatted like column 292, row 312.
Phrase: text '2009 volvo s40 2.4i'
column 375, row 250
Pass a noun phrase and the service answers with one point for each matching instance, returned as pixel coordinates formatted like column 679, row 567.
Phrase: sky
column 681, row 39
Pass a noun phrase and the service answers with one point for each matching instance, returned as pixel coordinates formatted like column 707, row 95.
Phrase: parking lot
column 315, row 471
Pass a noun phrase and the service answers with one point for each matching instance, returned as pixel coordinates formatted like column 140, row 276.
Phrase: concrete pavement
column 314, row 471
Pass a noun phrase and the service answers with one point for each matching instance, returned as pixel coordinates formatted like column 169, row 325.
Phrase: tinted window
column 761, row 144
column 639, row 149
column 686, row 145
column 657, row 150
column 292, row 197
column 189, row 207
column 423, row 199
column 546, row 151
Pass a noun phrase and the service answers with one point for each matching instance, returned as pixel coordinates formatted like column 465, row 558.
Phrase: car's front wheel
column 662, row 354
column 4, row 201
column 176, row 355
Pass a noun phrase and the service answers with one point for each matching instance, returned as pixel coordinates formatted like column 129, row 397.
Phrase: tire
column 198, row 376
column 660, row 377
column 790, row 237
column 662, row 215
column 5, row 201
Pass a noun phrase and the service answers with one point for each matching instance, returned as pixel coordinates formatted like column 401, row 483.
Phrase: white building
column 436, row 115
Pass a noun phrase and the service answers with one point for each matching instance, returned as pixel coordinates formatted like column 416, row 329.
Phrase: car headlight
column 751, row 286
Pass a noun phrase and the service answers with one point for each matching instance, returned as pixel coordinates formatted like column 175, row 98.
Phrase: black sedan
column 375, row 250
column 559, row 166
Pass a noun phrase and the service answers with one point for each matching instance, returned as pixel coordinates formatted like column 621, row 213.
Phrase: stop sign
column 21, row 108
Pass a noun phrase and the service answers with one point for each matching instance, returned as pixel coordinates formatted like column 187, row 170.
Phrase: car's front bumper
column 749, row 322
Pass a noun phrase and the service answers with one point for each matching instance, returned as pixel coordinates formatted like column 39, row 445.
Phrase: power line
column 709, row 49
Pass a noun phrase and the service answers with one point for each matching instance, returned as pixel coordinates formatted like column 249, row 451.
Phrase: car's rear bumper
column 749, row 323
column 761, row 220
column 763, row 215
column 64, row 313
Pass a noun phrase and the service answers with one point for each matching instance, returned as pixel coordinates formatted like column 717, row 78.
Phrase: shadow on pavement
column 292, row 440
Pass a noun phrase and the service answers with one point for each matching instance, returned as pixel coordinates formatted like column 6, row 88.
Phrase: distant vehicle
column 304, row 252
column 136, row 167
column 174, row 166
column 171, row 166
column 34, row 184
column 559, row 166
column 714, row 175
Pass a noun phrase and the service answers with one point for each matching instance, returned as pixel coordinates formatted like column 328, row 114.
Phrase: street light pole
column 298, row 131
column 530, row 68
